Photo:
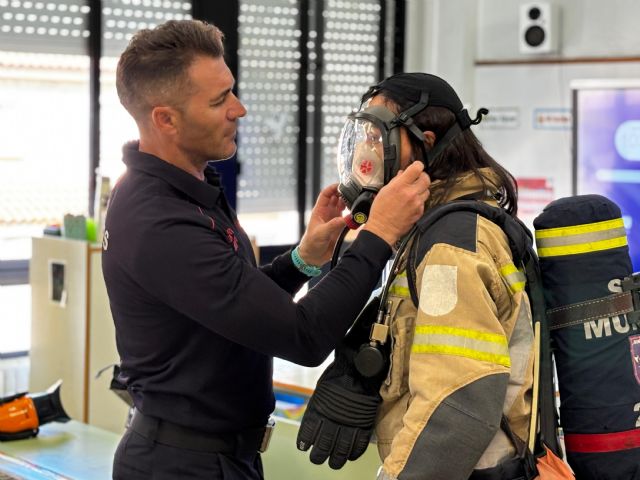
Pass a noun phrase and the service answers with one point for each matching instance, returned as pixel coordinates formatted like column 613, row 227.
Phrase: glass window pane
column 15, row 318
column 268, row 79
column 116, row 125
column 44, row 157
column 44, row 113
column 44, row 27
column 350, row 54
column 121, row 19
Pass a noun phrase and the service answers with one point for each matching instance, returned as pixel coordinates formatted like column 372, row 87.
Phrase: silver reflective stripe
column 515, row 279
column 580, row 238
column 445, row 340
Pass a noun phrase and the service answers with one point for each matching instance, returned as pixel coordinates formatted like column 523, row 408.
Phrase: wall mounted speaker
column 539, row 27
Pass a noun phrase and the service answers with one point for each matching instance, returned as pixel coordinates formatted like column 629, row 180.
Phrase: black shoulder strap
column 547, row 413
column 519, row 237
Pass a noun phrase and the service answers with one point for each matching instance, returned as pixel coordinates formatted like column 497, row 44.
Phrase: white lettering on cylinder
column 597, row 328
column 620, row 324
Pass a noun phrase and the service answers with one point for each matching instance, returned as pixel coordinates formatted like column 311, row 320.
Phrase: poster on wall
column 552, row 118
column 57, row 282
column 534, row 193
column 607, row 149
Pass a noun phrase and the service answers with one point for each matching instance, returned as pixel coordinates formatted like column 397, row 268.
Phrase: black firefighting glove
column 341, row 413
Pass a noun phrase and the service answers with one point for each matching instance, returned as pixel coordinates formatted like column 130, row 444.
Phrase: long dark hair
column 464, row 153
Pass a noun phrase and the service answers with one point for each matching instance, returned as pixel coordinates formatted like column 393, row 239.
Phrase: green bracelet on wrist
column 308, row 270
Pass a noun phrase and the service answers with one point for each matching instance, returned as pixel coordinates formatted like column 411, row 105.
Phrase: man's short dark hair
column 153, row 68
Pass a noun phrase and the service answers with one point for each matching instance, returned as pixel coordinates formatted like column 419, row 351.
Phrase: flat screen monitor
column 606, row 148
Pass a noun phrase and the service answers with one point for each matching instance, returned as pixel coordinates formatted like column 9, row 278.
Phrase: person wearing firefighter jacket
column 462, row 351
column 463, row 357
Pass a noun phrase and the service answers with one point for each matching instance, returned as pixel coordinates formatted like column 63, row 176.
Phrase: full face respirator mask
column 369, row 154
column 369, row 146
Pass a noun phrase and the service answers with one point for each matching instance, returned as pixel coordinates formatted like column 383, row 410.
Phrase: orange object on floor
column 550, row 467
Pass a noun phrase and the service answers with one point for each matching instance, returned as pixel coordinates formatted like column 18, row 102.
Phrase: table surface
column 77, row 451
column 72, row 450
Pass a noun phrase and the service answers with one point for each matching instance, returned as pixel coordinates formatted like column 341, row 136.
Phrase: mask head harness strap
column 406, row 119
column 426, row 90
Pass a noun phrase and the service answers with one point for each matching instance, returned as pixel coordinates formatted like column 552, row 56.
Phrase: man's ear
column 164, row 119
column 429, row 138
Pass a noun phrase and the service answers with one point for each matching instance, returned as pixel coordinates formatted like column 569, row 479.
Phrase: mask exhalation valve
column 361, row 207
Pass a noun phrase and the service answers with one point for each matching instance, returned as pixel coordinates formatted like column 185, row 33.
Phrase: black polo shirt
column 197, row 323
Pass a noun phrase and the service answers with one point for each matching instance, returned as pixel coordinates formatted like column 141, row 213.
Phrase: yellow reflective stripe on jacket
column 576, row 239
column 515, row 278
column 400, row 285
column 488, row 347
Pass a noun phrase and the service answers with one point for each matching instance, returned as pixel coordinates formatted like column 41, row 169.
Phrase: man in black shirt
column 197, row 322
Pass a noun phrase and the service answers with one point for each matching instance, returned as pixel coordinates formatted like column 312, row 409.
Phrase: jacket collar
column 467, row 184
column 205, row 193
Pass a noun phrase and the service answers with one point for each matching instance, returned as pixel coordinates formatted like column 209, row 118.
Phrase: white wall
column 440, row 38
column 594, row 28
column 448, row 37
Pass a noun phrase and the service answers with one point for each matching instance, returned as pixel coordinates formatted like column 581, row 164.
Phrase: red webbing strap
column 602, row 442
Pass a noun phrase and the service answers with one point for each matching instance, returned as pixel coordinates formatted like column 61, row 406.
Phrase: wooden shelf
column 555, row 60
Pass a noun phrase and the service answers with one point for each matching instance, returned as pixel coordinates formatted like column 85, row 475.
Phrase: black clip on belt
column 631, row 284
column 174, row 435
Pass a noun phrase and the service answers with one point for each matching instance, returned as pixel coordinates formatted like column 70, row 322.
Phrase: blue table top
column 71, row 450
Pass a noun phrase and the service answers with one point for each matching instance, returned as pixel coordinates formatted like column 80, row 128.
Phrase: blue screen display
column 608, row 153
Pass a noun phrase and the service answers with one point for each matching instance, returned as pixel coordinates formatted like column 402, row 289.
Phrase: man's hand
column 399, row 204
column 325, row 224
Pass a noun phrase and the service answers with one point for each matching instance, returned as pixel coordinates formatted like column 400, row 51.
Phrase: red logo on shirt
column 231, row 238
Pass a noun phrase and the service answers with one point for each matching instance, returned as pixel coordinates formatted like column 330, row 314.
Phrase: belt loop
column 153, row 429
column 238, row 444
column 245, row 442
column 151, row 425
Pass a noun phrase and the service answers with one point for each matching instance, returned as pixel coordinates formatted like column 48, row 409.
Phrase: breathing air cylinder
column 589, row 292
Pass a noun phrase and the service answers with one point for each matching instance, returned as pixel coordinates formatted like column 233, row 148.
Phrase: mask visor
column 361, row 155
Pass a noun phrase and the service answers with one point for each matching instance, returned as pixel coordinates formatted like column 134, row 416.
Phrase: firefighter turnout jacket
column 464, row 356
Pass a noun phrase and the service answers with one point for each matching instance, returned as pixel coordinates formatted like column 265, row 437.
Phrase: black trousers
column 140, row 458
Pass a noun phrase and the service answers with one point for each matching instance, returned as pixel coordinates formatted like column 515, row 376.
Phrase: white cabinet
column 72, row 332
